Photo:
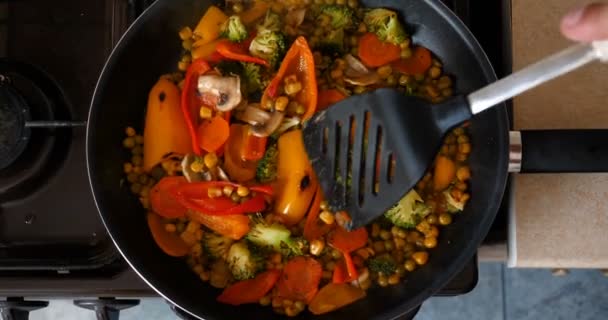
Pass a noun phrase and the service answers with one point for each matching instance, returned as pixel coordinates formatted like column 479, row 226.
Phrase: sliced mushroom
column 355, row 66
column 288, row 123
column 226, row 90
column 365, row 80
column 358, row 74
column 190, row 175
column 266, row 129
column 295, row 17
column 222, row 174
column 253, row 115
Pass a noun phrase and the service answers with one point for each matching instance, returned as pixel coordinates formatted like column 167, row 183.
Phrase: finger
column 586, row 24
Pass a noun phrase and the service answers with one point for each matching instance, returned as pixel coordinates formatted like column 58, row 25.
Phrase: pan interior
column 120, row 99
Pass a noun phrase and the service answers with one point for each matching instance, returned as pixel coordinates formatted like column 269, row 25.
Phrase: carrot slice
column 334, row 296
column 300, row 279
column 347, row 241
column 213, row 134
column 163, row 202
column 328, row 97
column 250, row 291
column 314, row 227
column 374, row 52
column 170, row 243
column 445, row 171
column 418, row 63
column 232, row 226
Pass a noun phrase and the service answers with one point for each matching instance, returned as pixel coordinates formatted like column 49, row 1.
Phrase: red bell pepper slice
column 238, row 52
column 254, row 147
column 345, row 270
column 194, row 196
column 190, row 101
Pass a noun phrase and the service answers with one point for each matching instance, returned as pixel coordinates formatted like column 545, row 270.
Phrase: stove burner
column 14, row 112
column 29, row 157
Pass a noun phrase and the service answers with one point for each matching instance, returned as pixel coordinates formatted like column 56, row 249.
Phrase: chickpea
column 210, row 160
column 409, row 265
column 127, row 167
column 185, row 33
column 242, row 191
column 445, row 219
column 385, row 235
column 393, row 279
column 375, row 230
column 420, row 257
column 432, row 219
column 434, row 232
column 463, row 173
column 129, row 143
column 265, row 301
column 382, row 281
column 316, row 247
column 434, row 72
column 430, row 242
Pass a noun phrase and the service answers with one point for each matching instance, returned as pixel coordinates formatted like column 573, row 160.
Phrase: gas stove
column 52, row 241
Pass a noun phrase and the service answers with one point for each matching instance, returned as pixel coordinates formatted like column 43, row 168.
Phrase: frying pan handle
column 559, row 151
column 535, row 74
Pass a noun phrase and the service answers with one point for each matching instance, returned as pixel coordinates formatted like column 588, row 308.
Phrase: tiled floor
column 501, row 294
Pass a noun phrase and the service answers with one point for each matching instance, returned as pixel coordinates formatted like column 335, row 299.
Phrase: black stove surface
column 52, row 241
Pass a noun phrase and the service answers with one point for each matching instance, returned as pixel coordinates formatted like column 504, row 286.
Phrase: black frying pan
column 151, row 47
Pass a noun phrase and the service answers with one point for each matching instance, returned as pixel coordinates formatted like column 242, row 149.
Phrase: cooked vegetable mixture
column 223, row 173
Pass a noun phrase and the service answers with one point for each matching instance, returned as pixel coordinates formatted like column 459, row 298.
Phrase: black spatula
column 365, row 172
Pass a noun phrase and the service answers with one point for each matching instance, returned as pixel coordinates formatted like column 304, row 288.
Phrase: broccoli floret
column 270, row 46
column 249, row 74
column 266, row 170
column 384, row 263
column 341, row 16
column 216, row 246
column 242, row 262
column 385, row 24
column 272, row 22
column 277, row 237
column 332, row 43
column 408, row 211
column 454, row 205
column 234, row 29
column 251, row 78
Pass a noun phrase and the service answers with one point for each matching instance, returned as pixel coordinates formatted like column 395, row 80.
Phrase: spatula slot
column 392, row 162
column 377, row 161
column 363, row 157
column 337, row 137
column 324, row 140
column 349, row 156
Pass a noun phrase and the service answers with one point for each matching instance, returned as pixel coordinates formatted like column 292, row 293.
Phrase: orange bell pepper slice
column 334, row 296
column 296, row 180
column 164, row 131
column 170, row 243
column 236, row 167
column 298, row 61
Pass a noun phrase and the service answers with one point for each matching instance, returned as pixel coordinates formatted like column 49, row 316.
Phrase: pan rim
column 460, row 259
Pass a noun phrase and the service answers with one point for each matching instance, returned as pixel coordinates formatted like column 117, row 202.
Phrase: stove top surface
column 52, row 241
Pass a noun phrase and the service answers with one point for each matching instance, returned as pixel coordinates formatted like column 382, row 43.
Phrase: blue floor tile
column 537, row 294
column 484, row 302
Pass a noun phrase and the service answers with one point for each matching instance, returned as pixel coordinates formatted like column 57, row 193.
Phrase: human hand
column 587, row 23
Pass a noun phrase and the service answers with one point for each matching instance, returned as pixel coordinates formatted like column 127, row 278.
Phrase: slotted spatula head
column 369, row 150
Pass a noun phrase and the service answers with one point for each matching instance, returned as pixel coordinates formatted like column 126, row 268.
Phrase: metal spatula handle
column 537, row 73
